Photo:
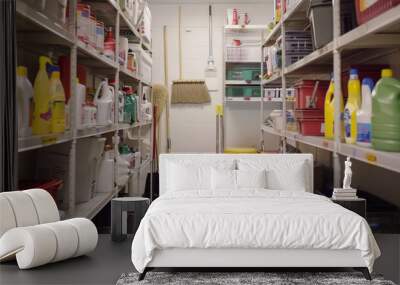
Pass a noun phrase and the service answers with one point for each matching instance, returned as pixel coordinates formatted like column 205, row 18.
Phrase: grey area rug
column 243, row 278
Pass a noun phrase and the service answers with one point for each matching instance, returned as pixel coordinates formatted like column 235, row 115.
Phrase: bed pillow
column 182, row 177
column 290, row 179
column 223, row 179
column 251, row 178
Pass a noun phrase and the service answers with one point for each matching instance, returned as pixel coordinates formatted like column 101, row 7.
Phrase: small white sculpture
column 347, row 174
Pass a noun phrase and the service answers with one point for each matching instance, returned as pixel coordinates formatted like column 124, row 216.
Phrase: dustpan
column 188, row 91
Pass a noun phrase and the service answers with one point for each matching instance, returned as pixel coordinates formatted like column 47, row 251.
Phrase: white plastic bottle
column 364, row 113
column 80, row 104
column 24, row 92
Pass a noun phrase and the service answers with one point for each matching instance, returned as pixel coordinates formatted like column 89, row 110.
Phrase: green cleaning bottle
column 386, row 113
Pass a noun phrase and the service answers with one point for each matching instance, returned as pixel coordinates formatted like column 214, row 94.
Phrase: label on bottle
column 347, row 122
column 364, row 132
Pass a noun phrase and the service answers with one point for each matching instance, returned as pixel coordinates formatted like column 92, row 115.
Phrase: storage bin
column 321, row 18
column 243, row 91
column 366, row 10
column 304, row 90
column 243, row 73
column 311, row 127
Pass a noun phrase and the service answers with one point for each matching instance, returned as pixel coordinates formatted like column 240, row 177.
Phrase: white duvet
column 253, row 218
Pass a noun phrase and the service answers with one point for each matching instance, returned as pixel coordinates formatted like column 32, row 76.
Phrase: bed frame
column 241, row 259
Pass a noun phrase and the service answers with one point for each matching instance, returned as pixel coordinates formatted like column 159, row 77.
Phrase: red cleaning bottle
column 109, row 44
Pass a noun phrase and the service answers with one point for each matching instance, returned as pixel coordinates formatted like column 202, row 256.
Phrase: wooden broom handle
column 180, row 41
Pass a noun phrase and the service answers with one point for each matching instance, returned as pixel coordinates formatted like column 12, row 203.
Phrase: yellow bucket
column 238, row 150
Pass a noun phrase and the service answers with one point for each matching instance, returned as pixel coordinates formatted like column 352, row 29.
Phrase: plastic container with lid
column 321, row 18
column 386, row 113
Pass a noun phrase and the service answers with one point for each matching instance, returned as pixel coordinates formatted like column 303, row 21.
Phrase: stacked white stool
column 31, row 230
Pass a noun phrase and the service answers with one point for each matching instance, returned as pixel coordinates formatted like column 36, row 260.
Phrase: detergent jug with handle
column 24, row 92
column 57, row 102
column 386, row 113
column 104, row 100
column 364, row 114
column 352, row 106
column 41, row 122
column 329, row 111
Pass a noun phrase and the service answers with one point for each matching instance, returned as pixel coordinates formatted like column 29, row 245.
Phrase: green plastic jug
column 386, row 113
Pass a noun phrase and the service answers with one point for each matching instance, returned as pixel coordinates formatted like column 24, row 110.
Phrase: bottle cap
column 387, row 72
column 22, row 71
column 353, row 71
column 55, row 74
column 368, row 81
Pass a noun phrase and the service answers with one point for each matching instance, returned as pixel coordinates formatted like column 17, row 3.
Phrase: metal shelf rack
column 38, row 29
column 355, row 46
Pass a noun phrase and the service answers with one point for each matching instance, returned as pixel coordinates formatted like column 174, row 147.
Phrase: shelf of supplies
column 319, row 142
column 381, row 31
column 320, row 58
column 146, row 46
column 388, row 160
column 127, row 24
column 127, row 75
column 297, row 12
column 272, row 79
column 125, row 126
column 242, row 82
column 95, row 131
column 147, row 83
column 39, row 141
column 92, row 58
column 273, row 35
column 241, row 61
column 43, row 28
column 270, row 130
column 272, row 100
column 145, row 163
column 242, row 99
column 90, row 208
column 239, row 28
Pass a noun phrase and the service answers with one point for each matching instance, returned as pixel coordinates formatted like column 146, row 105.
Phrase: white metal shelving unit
column 34, row 28
column 357, row 46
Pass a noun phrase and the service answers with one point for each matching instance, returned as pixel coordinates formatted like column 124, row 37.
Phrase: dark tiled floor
column 102, row 266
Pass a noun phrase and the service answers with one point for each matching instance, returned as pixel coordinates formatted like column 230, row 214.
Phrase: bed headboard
column 210, row 159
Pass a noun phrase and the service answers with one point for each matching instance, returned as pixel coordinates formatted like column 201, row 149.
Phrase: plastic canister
column 80, row 103
column 82, row 22
column 92, row 31
column 24, row 92
column 364, row 114
column 57, row 104
column 386, row 113
column 100, row 36
column 105, row 181
column 329, row 111
column 89, row 117
column 104, row 103
column 352, row 106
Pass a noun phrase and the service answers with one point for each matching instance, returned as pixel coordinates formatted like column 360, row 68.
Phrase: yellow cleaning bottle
column 329, row 110
column 41, row 99
column 352, row 106
column 57, row 99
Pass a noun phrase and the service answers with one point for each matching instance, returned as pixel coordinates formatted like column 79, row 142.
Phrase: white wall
column 193, row 127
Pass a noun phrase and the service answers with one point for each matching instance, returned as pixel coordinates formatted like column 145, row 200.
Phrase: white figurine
column 347, row 174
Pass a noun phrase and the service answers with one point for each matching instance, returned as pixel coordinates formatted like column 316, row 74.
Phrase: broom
column 187, row 91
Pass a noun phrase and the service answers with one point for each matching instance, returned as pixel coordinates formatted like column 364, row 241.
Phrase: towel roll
column 23, row 207
column 45, row 206
column 87, row 235
column 7, row 220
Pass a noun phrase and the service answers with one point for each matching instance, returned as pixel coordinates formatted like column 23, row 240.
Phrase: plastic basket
column 243, row 91
column 243, row 73
column 245, row 53
column 311, row 127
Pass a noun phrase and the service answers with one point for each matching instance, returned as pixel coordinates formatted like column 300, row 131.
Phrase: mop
column 188, row 91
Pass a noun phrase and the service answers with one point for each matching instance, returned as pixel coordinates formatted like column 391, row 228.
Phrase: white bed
column 202, row 226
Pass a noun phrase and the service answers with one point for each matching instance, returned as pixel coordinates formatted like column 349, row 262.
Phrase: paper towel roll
column 34, row 246
column 87, row 234
column 45, row 206
column 67, row 240
column 24, row 209
column 7, row 218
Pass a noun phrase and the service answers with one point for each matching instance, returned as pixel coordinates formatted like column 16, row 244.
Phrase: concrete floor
column 103, row 266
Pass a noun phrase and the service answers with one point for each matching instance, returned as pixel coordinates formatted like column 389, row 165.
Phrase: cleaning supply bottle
column 352, row 106
column 24, row 101
column 57, row 99
column 109, row 44
column 364, row 114
column 104, row 100
column 80, row 104
column 41, row 98
column 386, row 113
column 329, row 110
